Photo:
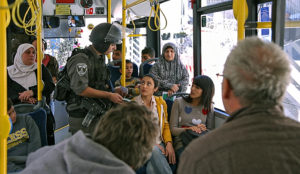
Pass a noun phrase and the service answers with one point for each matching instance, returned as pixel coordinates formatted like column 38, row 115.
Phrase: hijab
column 174, row 67
column 21, row 73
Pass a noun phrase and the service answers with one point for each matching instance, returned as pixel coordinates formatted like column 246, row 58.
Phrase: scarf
column 21, row 73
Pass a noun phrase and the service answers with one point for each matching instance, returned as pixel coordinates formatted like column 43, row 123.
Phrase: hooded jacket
column 78, row 154
column 169, row 73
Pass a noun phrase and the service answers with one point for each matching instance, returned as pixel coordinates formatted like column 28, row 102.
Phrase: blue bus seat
column 39, row 116
column 145, row 66
column 115, row 72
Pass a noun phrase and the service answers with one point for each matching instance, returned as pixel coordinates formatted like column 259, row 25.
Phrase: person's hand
column 202, row 127
column 115, row 98
column 122, row 91
column 161, row 148
column 54, row 80
column 170, row 153
column 175, row 87
column 195, row 129
column 170, row 92
column 32, row 100
column 24, row 96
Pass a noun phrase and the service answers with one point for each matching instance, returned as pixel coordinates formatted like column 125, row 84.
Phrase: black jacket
column 14, row 88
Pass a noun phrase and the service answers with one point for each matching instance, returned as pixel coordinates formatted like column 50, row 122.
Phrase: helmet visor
column 116, row 33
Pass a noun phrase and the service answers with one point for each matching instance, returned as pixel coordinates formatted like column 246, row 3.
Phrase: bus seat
column 115, row 72
column 39, row 116
column 24, row 108
column 145, row 67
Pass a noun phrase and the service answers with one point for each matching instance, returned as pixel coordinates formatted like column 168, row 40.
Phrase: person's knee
column 156, row 151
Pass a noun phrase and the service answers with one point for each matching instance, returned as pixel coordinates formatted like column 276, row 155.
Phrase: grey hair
column 258, row 71
column 129, row 132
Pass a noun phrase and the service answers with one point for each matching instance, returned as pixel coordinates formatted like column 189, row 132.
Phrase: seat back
column 39, row 116
column 115, row 72
column 145, row 67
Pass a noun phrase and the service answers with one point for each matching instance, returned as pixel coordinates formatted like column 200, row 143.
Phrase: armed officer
column 89, row 77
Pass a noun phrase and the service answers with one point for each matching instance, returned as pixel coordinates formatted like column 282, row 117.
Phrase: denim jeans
column 158, row 163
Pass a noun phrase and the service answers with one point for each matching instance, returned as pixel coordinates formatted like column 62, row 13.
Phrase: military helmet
column 105, row 34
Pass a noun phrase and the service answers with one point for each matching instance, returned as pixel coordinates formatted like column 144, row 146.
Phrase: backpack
column 62, row 89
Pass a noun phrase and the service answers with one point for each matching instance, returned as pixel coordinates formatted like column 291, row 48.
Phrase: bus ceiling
column 97, row 8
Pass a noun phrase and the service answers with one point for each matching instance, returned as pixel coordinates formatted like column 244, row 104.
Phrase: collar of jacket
column 270, row 109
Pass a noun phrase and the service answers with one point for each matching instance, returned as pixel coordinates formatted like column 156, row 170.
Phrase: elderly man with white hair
column 257, row 137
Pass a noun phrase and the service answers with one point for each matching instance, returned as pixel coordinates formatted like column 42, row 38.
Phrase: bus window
column 218, row 36
column 292, row 47
column 211, row 2
column 180, row 32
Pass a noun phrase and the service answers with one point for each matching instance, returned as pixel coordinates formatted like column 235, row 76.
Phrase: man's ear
column 226, row 89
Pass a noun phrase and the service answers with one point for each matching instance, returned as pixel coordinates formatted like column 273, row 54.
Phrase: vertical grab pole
column 240, row 11
column 39, row 51
column 123, row 42
column 4, row 119
column 109, row 21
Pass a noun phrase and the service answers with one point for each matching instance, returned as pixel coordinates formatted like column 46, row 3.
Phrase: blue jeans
column 158, row 163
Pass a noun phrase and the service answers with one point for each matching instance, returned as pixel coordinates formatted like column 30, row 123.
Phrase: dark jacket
column 13, row 88
column 256, row 139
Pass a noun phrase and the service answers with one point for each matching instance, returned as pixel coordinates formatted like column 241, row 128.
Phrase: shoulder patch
column 81, row 69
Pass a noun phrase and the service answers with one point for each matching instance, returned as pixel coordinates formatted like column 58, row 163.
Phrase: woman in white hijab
column 22, row 77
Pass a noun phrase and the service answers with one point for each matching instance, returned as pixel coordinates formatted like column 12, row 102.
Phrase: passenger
column 23, row 139
column 122, row 141
column 117, row 54
column 49, row 61
column 257, row 137
column 163, row 153
column 147, row 53
column 22, row 77
column 131, row 83
column 194, row 112
column 89, row 78
column 170, row 72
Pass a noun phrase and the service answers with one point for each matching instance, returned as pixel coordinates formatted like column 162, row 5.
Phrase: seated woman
column 194, row 112
column 22, row 82
column 170, row 72
column 163, row 153
column 22, row 77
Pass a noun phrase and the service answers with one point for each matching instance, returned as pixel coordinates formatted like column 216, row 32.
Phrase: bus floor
column 61, row 121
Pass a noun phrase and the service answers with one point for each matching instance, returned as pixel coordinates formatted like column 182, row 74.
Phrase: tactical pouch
column 62, row 89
